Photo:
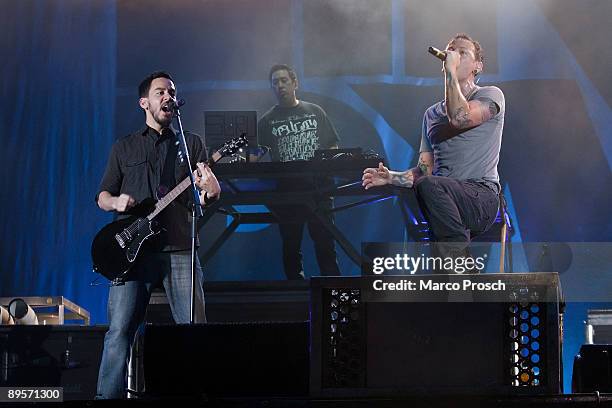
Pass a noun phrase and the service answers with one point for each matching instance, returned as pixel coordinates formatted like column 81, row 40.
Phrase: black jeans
column 292, row 233
column 456, row 211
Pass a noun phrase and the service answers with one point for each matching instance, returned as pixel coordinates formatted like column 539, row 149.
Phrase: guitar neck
column 178, row 190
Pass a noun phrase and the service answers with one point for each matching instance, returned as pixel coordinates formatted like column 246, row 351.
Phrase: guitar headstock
column 232, row 146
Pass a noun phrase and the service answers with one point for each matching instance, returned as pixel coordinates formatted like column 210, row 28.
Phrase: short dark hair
column 478, row 55
column 145, row 85
column 280, row 67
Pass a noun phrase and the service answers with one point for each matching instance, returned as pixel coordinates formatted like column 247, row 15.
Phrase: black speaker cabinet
column 57, row 356
column 227, row 359
column 434, row 335
column 592, row 369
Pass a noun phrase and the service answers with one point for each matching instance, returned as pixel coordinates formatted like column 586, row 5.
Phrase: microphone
column 441, row 55
column 173, row 105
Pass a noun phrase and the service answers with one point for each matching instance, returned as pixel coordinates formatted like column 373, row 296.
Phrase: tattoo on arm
column 487, row 112
column 401, row 180
column 462, row 117
column 493, row 108
column 423, row 167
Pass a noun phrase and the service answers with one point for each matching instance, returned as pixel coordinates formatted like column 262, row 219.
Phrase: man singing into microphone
column 141, row 166
column 456, row 180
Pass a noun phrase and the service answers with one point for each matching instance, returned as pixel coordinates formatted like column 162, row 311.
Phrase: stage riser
column 402, row 348
column 258, row 301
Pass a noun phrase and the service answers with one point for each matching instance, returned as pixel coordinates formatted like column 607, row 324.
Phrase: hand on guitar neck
column 206, row 182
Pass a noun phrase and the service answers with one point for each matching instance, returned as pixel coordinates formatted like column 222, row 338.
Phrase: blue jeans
column 127, row 304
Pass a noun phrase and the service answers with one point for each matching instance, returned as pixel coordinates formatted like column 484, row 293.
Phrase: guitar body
column 116, row 246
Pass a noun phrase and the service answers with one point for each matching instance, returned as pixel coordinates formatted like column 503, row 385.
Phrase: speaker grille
column 527, row 354
column 344, row 338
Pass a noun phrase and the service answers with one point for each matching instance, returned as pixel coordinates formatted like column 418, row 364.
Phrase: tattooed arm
column 407, row 178
column 382, row 176
column 461, row 113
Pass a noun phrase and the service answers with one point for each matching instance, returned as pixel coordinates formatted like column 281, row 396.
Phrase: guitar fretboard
column 178, row 190
column 168, row 198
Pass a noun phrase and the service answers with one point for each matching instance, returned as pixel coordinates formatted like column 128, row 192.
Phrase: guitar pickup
column 120, row 240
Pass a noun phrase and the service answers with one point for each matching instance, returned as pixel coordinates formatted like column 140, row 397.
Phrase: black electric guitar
column 117, row 245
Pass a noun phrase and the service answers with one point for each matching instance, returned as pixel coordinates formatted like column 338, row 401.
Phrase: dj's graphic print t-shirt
column 295, row 133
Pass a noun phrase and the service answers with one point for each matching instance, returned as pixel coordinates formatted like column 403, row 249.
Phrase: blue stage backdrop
column 71, row 68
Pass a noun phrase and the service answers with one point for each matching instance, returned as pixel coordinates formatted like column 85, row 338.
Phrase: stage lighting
column 22, row 313
column 5, row 317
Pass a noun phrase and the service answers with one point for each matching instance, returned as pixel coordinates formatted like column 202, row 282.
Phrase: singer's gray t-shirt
column 471, row 154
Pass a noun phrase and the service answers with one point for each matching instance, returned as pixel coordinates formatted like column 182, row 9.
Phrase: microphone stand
column 196, row 209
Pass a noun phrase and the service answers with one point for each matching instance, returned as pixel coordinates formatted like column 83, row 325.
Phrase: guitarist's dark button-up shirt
column 135, row 167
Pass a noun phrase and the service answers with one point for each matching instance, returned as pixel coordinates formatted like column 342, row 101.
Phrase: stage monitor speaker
column 371, row 343
column 53, row 356
column 226, row 359
column 592, row 369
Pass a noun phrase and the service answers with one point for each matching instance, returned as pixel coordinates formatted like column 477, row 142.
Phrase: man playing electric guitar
column 143, row 166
